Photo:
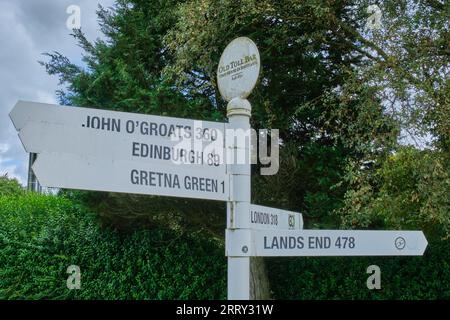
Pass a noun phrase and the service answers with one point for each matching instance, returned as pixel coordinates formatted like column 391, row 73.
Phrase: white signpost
column 285, row 243
column 92, row 149
column 237, row 74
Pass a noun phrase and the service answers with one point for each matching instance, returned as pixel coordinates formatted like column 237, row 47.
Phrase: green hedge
column 405, row 278
column 40, row 236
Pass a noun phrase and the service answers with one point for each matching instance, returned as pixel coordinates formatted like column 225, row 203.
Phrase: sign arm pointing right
column 269, row 243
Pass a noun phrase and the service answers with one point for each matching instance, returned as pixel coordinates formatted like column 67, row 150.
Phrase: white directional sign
column 105, row 120
column 238, row 69
column 92, row 149
column 119, row 135
column 101, row 174
column 278, row 243
column 44, row 137
column 262, row 217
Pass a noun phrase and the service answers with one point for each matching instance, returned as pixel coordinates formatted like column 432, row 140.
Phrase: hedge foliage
column 402, row 278
column 10, row 186
column 40, row 236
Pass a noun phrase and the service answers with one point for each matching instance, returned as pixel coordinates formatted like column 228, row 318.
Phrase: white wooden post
column 239, row 112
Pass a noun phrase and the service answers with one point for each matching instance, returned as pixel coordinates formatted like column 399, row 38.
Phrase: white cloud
column 28, row 29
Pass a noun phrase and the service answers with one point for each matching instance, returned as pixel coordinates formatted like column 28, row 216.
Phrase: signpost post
column 92, row 149
column 237, row 74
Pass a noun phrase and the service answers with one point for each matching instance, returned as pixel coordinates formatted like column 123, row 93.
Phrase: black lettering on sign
column 147, row 128
column 178, row 155
column 155, row 179
column 153, row 129
column 143, row 127
column 283, row 242
column 345, row 243
column 200, row 184
column 259, row 217
column 319, row 242
column 95, row 123
column 168, row 180
column 129, row 126
column 264, row 218
column 163, row 130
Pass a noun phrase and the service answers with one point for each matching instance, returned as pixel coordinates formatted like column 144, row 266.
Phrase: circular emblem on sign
column 400, row 243
column 244, row 249
column 238, row 69
column 291, row 221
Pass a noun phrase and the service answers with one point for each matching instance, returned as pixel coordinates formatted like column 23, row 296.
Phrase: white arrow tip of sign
column 39, row 167
column 45, row 166
column 410, row 243
column 25, row 111
column 21, row 113
column 26, row 135
column 16, row 114
column 423, row 243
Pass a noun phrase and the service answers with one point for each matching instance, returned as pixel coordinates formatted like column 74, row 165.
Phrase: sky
column 29, row 28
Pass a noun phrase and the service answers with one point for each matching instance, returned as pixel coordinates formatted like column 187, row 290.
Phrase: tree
column 407, row 59
column 9, row 186
column 308, row 90
column 124, row 73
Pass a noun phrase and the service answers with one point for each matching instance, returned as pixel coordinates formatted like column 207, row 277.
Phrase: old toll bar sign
column 238, row 69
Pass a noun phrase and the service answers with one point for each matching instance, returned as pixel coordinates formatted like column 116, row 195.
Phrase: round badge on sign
column 238, row 69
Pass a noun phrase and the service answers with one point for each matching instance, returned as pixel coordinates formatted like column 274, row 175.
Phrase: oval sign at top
column 238, row 69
